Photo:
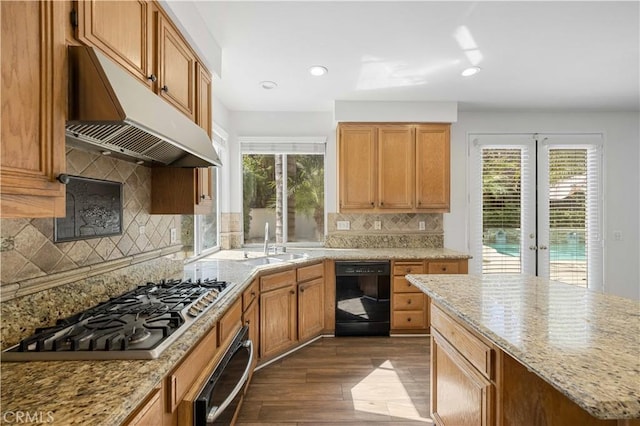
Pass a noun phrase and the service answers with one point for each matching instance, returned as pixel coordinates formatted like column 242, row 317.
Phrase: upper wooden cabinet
column 399, row 168
column 123, row 30
column 176, row 190
column 176, row 68
column 357, row 168
column 33, row 63
column 203, row 97
column 140, row 37
column 432, row 167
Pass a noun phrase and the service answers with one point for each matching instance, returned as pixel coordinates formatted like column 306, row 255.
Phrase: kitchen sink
column 274, row 258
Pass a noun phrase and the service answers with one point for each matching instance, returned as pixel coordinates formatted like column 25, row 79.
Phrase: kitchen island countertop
column 107, row 392
column 585, row 344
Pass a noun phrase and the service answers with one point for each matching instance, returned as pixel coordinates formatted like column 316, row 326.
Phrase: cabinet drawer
column 404, row 268
column 443, row 268
column 183, row 377
column 401, row 285
column 408, row 302
column 409, row 319
column 310, row 272
column 277, row 280
column 249, row 295
column 472, row 348
column 230, row 322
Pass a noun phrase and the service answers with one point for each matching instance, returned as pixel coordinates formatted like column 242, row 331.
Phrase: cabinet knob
column 64, row 179
column 419, row 202
column 408, row 270
column 247, row 322
column 293, row 291
column 372, row 204
column 409, row 319
column 409, row 302
column 444, row 268
column 152, row 78
column 165, row 88
column 382, row 203
column 253, row 294
column 202, row 197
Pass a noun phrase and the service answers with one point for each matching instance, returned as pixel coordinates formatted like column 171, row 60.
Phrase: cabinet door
column 278, row 323
column 396, row 167
column 310, row 308
column 460, row 395
column 120, row 29
column 203, row 98
column 432, row 167
column 176, row 68
column 251, row 318
column 205, row 194
column 34, row 81
column 151, row 413
column 358, row 168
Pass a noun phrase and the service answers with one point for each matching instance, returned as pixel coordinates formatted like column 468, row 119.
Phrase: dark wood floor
column 354, row 381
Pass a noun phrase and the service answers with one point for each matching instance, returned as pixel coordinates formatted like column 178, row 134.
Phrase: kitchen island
column 525, row 350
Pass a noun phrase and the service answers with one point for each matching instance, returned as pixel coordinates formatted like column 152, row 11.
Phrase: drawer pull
column 409, row 302
column 408, row 270
column 409, row 319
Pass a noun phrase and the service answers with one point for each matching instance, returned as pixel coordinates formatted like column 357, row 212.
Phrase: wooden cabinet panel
column 473, row 349
column 34, row 104
column 459, row 394
column 176, row 190
column 176, row 68
column 404, row 268
column 401, row 285
column 310, row 272
column 251, row 318
column 122, row 30
column 409, row 302
column 278, row 325
column 357, row 167
column 230, row 323
column 203, row 97
column 278, row 280
column 310, row 308
column 151, row 413
column 432, row 167
column 250, row 294
column 409, row 320
column 180, row 381
column 447, row 267
column 396, row 167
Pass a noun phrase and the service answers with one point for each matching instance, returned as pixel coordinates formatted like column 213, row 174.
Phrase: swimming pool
column 566, row 251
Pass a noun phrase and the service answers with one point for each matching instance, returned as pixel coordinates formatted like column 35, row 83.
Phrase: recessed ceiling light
column 268, row 85
column 318, row 70
column 470, row 71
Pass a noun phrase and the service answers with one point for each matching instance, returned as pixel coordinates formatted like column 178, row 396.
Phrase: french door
column 536, row 206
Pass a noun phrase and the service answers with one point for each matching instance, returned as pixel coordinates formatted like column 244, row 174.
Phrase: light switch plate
column 421, row 225
column 343, row 225
column 377, row 224
column 173, row 237
column 141, row 229
column 617, row 235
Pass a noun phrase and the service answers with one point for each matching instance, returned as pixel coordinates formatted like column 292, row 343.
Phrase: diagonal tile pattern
column 27, row 249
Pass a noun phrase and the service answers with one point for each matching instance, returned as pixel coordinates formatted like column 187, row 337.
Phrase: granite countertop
column 583, row 343
column 106, row 392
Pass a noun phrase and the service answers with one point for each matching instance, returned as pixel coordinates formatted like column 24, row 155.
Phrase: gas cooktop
column 139, row 324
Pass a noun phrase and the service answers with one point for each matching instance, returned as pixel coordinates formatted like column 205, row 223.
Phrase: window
column 283, row 185
column 536, row 206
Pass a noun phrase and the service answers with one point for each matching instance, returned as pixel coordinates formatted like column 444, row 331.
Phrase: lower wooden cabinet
column 151, row 412
column 460, row 395
column 310, row 308
column 251, row 316
column 278, row 313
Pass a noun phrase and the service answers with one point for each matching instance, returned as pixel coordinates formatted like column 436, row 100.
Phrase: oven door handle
column 215, row 411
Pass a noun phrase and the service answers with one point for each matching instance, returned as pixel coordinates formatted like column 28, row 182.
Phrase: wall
column 621, row 181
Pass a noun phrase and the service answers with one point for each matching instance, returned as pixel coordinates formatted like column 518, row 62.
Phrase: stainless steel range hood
column 111, row 110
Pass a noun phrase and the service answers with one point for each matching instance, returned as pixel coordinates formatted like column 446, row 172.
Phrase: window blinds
column 283, row 145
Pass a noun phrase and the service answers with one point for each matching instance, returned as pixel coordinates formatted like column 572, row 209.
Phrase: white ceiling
column 534, row 55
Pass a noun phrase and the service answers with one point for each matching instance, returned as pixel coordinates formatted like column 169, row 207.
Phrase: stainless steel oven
column 363, row 303
column 221, row 394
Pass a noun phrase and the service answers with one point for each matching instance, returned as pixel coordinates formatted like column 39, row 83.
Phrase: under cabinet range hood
column 112, row 111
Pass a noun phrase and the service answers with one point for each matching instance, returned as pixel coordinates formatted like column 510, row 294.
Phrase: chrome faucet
column 266, row 238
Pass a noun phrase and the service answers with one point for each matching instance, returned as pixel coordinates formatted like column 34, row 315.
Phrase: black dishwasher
column 363, row 291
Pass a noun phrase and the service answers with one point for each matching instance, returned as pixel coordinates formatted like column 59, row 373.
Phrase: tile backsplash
column 395, row 230
column 27, row 247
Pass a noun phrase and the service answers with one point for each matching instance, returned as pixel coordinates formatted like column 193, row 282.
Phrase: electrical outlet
column 421, row 225
column 141, row 229
column 377, row 225
column 174, row 236
column 617, row 235
column 343, row 225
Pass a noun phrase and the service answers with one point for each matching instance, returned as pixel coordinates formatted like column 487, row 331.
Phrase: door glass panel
column 259, row 196
column 305, row 199
column 501, row 211
column 567, row 215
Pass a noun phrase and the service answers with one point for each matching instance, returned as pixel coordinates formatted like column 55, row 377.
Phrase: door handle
column 533, row 248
